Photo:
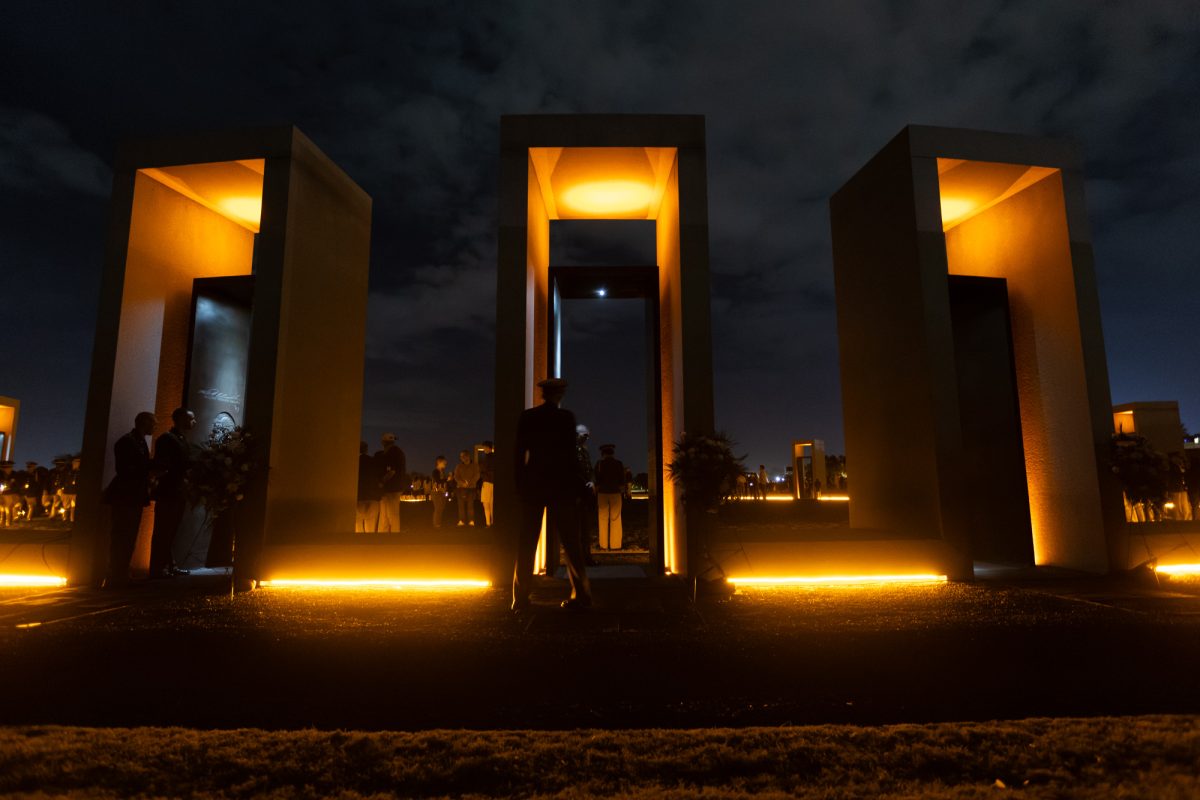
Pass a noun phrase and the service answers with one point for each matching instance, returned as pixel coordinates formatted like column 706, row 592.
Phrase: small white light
column 601, row 292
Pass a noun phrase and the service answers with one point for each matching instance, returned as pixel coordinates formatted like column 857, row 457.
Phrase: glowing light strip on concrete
column 835, row 580
column 377, row 583
column 1179, row 570
column 32, row 580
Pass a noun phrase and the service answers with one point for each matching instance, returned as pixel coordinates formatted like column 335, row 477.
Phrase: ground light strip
column 825, row 580
column 32, row 580
column 1178, row 569
column 378, row 583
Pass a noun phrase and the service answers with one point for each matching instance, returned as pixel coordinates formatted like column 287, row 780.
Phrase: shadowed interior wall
column 994, row 458
column 172, row 240
column 1024, row 239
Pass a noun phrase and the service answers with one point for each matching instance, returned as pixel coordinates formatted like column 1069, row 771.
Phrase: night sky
column 407, row 98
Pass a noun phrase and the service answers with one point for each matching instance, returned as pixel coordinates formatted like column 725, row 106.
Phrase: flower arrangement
column 701, row 464
column 1140, row 468
column 220, row 470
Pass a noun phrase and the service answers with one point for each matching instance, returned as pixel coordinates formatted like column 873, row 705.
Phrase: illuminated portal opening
column 1009, row 261
column 606, row 167
column 969, row 327
column 809, row 479
column 188, row 223
column 604, row 338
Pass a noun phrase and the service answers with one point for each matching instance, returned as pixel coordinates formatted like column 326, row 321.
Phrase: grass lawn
column 1143, row 757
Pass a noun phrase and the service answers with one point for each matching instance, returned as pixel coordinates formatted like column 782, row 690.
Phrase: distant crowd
column 384, row 483
column 38, row 492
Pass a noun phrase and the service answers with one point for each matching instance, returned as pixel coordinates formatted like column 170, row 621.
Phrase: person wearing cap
column 587, row 497
column 392, row 483
column 610, row 488
column 546, row 468
column 487, row 482
column 128, row 494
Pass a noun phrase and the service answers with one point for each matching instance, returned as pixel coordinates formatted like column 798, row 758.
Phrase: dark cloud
column 407, row 97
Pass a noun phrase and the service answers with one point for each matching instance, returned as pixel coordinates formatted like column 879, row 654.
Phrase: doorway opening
column 604, row 337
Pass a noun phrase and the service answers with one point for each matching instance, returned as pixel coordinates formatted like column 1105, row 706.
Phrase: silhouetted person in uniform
column 366, row 515
column 610, row 489
column 393, row 481
column 172, row 458
column 128, row 494
column 548, row 478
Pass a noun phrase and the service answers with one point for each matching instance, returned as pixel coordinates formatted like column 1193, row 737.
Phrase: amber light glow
column 834, row 498
column 32, row 580
column 246, row 209
column 835, row 580
column 1179, row 570
column 376, row 583
column 600, row 198
column 955, row 207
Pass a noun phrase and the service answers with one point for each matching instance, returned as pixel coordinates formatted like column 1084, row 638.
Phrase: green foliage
column 220, row 470
column 700, row 464
column 1140, row 468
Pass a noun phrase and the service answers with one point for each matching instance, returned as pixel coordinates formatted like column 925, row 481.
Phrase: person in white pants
column 610, row 486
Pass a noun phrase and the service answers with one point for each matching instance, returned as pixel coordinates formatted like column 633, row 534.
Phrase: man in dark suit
column 548, row 478
column 128, row 494
column 172, row 457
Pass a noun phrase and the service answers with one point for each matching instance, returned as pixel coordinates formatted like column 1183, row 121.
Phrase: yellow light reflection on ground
column 780, row 498
column 834, row 498
column 607, row 197
column 32, row 580
column 1179, row 570
column 377, row 583
column 835, row 580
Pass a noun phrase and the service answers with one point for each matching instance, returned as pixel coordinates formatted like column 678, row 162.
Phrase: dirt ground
column 183, row 653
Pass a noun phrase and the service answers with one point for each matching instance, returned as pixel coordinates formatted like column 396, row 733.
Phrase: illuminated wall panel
column 936, row 202
column 265, row 201
column 604, row 167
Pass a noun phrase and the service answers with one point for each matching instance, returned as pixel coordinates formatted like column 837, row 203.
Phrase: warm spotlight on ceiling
column 955, row 207
column 607, row 197
column 247, row 209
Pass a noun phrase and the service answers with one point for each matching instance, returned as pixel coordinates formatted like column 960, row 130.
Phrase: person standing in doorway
column 546, row 468
column 487, row 481
column 587, row 496
column 390, row 461
column 610, row 488
column 172, row 458
column 366, row 515
column 128, row 494
column 466, row 478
